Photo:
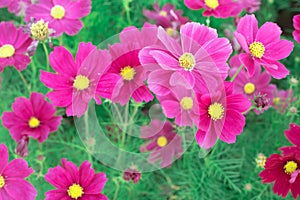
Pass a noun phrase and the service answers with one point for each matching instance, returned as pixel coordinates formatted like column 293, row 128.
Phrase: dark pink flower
column 63, row 15
column 164, row 144
column 296, row 33
column 13, row 46
column 73, row 183
column 281, row 99
column 221, row 115
column 34, row 117
column 12, row 175
column 293, row 135
column 216, row 8
column 132, row 174
column 261, row 48
column 75, row 81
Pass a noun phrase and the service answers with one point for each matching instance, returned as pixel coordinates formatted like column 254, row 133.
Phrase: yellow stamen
column 162, row 141
column 261, row 160
column 170, row 31
column 58, row 12
column 257, row 49
column 7, row 51
column 290, row 167
column 216, row 111
column 249, row 88
column 39, row 30
column 212, row 4
column 34, row 122
column 75, row 191
column 81, row 82
column 187, row 61
column 163, row 13
column 128, row 73
column 276, row 100
column 2, row 182
column 186, row 103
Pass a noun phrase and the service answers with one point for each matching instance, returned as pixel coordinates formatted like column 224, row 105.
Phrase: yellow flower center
column 2, row 182
column 33, row 122
column 276, row 100
column 216, row 111
column 75, row 191
column 162, row 141
column 257, row 49
column 187, row 61
column 58, row 12
column 249, row 88
column 212, row 4
column 290, row 167
column 170, row 31
column 81, row 82
column 39, row 30
column 186, row 103
column 7, row 51
column 128, row 73
column 163, row 13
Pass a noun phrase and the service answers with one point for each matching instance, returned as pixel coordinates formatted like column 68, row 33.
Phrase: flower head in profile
column 262, row 48
column 296, row 22
column 75, row 81
column 216, row 8
column 63, row 16
column 34, row 117
column 18, row 7
column 281, row 99
column 12, row 175
column 13, row 46
column 221, row 116
column 164, row 144
column 73, row 183
column 132, row 174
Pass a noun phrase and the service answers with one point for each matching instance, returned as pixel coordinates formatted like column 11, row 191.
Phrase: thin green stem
column 47, row 56
column 207, row 21
column 236, row 73
column 24, row 81
column 117, row 189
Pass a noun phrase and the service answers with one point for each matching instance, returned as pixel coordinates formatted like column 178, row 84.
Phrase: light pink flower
column 12, row 175
column 164, row 144
column 18, row 7
column 261, row 47
column 33, row 117
column 73, row 183
column 13, row 47
column 282, row 99
column 74, row 83
column 221, row 116
column 250, row 6
column 296, row 33
column 216, row 8
column 63, row 15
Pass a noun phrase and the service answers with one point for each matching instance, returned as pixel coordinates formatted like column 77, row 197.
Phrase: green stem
column 125, row 124
column 87, row 133
column 236, row 73
column 117, row 189
column 47, row 56
column 207, row 21
column 24, row 81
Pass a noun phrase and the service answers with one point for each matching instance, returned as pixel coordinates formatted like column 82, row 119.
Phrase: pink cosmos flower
column 12, row 175
column 296, row 33
column 282, row 99
column 261, row 48
column 221, row 116
column 18, row 7
column 167, row 17
column 198, row 63
column 34, row 117
column 250, row 6
column 180, row 104
column 74, row 183
column 164, row 144
column 293, row 135
column 13, row 46
column 132, row 174
column 283, row 171
column 125, row 76
column 63, row 15
column 216, row 8
column 74, row 83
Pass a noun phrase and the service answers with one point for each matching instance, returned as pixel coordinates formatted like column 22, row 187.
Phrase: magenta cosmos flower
column 74, row 83
column 13, row 46
column 132, row 174
column 216, row 8
column 283, row 171
column 296, row 33
column 164, row 144
column 125, row 76
column 261, row 48
column 181, row 104
column 73, row 183
column 221, row 115
column 293, row 135
column 282, row 99
column 12, row 175
column 33, row 117
column 63, row 16
column 200, row 60
column 18, row 7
